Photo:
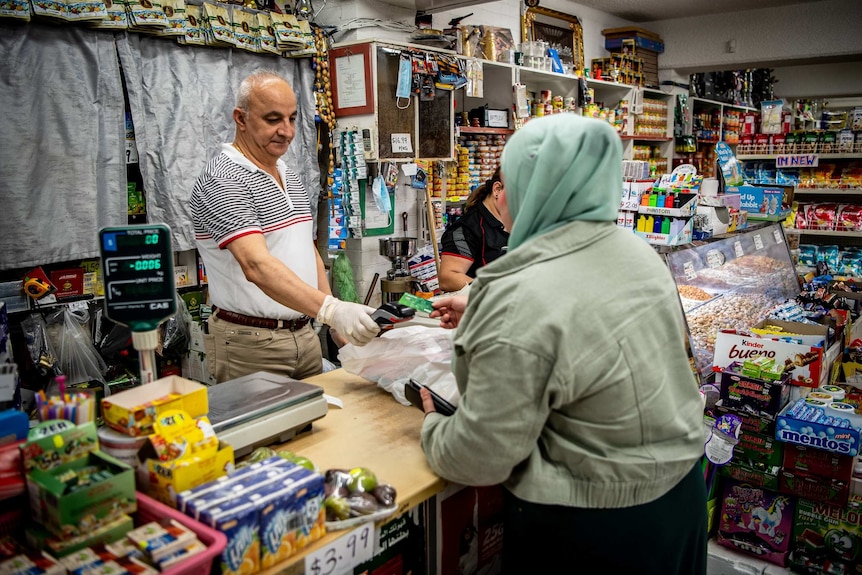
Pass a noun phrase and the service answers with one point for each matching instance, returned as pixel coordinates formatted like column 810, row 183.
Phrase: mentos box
column 756, row 521
column 791, row 429
column 826, row 536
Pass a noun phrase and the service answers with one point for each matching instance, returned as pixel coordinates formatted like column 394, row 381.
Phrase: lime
column 362, row 479
column 304, row 462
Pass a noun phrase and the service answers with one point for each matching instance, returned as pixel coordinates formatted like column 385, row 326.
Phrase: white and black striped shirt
column 232, row 198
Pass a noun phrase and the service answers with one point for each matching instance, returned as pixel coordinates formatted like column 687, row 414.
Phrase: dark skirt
column 664, row 537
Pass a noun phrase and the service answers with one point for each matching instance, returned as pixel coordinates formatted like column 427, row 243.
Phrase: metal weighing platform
column 263, row 408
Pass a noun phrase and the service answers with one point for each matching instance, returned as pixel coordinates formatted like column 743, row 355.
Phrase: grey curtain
column 181, row 100
column 62, row 134
column 62, row 164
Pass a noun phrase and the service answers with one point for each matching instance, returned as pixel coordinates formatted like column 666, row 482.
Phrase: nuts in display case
column 731, row 283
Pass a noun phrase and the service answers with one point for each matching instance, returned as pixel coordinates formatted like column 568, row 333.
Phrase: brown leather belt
column 262, row 322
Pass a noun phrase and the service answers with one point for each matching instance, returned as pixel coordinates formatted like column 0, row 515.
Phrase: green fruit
column 337, row 507
column 304, row 462
column 289, row 455
column 260, row 454
column 362, row 479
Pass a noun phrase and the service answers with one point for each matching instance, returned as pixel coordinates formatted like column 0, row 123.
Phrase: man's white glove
column 351, row 320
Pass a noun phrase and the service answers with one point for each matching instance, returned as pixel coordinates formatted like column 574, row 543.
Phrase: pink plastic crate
column 201, row 564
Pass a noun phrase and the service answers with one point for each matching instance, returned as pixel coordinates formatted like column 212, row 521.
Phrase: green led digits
column 144, row 265
column 151, row 239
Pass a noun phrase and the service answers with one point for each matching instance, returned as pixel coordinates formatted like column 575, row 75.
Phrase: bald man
column 254, row 231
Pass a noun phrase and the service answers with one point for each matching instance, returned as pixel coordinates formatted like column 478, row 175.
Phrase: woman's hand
column 427, row 401
column 449, row 310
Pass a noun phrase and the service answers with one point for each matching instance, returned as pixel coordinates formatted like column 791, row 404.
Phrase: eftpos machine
column 138, row 273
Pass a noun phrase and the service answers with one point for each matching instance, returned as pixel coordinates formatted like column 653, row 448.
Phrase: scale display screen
column 138, row 273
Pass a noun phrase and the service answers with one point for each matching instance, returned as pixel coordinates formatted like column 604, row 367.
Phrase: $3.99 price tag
column 343, row 554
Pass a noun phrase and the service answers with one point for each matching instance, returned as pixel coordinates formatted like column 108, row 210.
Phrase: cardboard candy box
column 827, row 535
column 756, row 521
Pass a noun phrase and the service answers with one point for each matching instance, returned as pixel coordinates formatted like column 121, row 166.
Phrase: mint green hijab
column 561, row 168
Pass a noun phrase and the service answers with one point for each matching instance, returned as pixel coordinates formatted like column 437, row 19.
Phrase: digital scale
column 263, row 408
column 247, row 412
column 138, row 274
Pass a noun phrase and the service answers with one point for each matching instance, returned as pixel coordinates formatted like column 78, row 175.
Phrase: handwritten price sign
column 343, row 554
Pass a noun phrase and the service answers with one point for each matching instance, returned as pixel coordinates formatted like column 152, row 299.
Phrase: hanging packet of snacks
column 50, row 8
column 217, row 26
column 146, row 15
column 175, row 13
column 266, row 32
column 193, row 35
column 17, row 9
column 307, row 48
column 288, row 36
column 245, row 29
column 115, row 19
column 88, row 10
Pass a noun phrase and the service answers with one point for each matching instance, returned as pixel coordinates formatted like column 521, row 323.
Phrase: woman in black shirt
column 475, row 239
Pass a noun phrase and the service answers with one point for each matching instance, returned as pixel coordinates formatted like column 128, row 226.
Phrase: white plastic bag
column 419, row 352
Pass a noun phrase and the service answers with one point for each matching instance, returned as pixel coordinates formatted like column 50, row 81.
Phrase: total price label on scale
column 342, row 555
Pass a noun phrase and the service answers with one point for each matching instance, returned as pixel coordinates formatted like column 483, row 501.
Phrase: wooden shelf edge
column 480, row 130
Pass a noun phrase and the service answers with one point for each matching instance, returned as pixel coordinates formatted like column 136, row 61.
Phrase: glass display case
column 731, row 283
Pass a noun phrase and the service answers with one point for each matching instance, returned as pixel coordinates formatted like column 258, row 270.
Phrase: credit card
column 416, row 302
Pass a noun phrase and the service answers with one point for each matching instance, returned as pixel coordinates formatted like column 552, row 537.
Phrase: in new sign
column 797, row 161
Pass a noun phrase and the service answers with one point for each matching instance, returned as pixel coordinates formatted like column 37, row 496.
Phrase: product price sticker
column 343, row 554
column 737, row 249
column 688, row 269
column 401, row 144
column 758, row 242
column 714, row 259
column 777, row 235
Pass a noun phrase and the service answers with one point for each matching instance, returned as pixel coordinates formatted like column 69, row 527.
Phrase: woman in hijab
column 576, row 390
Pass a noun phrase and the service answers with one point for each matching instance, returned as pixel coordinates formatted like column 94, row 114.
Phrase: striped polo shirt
column 233, row 198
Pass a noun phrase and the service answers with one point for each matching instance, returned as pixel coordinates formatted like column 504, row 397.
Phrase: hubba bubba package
column 756, row 521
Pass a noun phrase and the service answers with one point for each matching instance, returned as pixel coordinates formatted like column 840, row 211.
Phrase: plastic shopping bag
column 419, row 352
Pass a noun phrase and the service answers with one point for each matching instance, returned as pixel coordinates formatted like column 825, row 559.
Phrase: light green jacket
column 576, row 387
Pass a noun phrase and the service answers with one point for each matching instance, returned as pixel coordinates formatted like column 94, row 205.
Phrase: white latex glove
column 351, row 320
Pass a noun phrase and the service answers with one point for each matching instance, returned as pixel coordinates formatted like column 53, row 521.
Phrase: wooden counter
column 373, row 430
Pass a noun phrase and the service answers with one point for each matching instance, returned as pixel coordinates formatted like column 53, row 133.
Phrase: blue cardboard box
column 763, row 201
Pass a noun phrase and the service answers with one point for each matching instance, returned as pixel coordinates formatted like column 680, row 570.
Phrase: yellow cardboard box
column 134, row 411
column 167, row 478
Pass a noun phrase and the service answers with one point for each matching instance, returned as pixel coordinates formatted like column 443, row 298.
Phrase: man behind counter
column 254, row 231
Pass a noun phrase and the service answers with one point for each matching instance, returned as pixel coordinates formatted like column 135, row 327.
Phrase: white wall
column 764, row 38
column 503, row 13
column 817, row 80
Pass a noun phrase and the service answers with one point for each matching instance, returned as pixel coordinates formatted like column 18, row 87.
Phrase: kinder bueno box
column 756, row 521
column 801, row 350
column 827, row 537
